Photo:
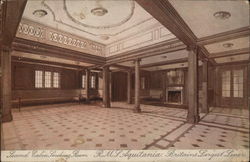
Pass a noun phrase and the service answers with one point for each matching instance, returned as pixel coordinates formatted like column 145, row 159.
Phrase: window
column 143, row 83
column 93, row 81
column 226, row 84
column 56, row 80
column 83, row 81
column 238, row 83
column 47, row 79
column 38, row 79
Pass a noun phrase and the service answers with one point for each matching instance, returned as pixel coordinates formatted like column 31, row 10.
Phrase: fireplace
column 174, row 95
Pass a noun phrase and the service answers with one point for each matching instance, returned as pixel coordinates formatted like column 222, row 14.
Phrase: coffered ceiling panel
column 209, row 17
column 104, row 21
column 234, row 44
column 236, row 58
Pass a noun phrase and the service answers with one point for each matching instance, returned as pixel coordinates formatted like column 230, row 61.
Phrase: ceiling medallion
column 227, row 45
column 40, row 13
column 99, row 11
column 223, row 15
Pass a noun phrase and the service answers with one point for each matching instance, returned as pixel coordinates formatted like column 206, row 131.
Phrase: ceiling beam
column 165, row 62
column 42, row 62
column 229, row 35
column 13, row 11
column 164, row 12
column 230, row 53
column 153, row 50
column 32, row 47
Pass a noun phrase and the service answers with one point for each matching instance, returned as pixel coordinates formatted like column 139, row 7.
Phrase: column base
column 137, row 110
column 193, row 119
column 6, row 118
column 106, row 106
column 204, row 111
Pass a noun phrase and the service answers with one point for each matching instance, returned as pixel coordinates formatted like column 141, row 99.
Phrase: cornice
column 33, row 47
column 230, row 53
column 47, row 63
column 229, row 35
column 156, row 49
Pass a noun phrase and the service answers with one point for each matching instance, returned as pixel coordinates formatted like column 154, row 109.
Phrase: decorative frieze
column 30, row 30
column 37, row 32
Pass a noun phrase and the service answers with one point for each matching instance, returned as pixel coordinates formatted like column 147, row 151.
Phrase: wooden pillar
column 248, row 80
column 106, row 87
column 164, row 99
column 129, row 97
column 6, row 84
column 87, row 84
column 205, row 107
column 193, row 108
column 137, row 86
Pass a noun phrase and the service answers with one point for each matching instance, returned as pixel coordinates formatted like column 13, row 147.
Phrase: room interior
column 189, row 55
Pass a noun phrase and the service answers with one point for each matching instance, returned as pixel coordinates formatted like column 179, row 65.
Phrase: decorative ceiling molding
column 233, row 34
column 41, row 33
column 152, row 50
column 230, row 53
column 92, row 33
column 165, row 13
column 131, row 12
column 29, row 46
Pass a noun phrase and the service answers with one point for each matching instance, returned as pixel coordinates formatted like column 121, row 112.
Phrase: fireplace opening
column 174, row 97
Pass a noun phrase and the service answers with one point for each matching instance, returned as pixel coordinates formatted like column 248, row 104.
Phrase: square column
column 106, row 87
column 137, row 86
column 87, row 76
column 129, row 98
column 6, row 115
column 193, row 108
column 205, row 108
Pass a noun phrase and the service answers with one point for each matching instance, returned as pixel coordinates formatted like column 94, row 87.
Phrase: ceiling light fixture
column 99, row 10
column 40, row 13
column 222, row 15
column 228, row 45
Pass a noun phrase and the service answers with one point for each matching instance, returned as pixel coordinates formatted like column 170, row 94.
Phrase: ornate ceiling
column 97, row 20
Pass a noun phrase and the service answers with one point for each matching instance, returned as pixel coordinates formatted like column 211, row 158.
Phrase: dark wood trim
column 230, row 53
column 206, row 55
column 229, row 35
column 46, row 63
column 29, row 46
column 165, row 62
column 12, row 17
column 164, row 12
column 122, row 67
column 245, row 62
column 153, row 50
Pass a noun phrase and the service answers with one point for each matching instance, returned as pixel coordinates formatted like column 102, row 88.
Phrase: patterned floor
column 72, row 126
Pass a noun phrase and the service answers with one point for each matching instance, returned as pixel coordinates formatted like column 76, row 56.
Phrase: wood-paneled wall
column 23, row 85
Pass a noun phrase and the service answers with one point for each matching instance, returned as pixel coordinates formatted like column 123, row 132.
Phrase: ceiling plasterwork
column 104, row 21
column 81, row 12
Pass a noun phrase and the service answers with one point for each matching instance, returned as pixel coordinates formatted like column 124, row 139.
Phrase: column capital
column 192, row 48
column 137, row 60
